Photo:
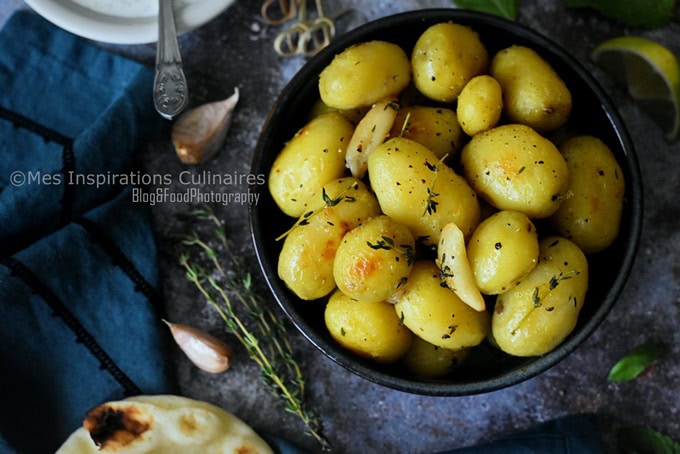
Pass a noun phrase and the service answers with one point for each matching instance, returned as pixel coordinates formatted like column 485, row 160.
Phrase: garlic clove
column 198, row 134
column 207, row 352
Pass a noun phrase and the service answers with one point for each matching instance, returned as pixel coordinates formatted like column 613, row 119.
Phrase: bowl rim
column 539, row 364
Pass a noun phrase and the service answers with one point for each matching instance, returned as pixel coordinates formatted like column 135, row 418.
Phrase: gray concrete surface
column 235, row 49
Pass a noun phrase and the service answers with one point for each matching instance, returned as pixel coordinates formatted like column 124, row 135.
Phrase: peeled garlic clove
column 456, row 272
column 371, row 131
column 199, row 133
column 207, row 352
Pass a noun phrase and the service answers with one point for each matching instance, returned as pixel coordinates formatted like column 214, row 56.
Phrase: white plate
column 124, row 21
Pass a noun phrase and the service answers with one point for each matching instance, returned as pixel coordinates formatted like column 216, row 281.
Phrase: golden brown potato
column 514, row 168
column 436, row 128
column 445, row 57
column 533, row 93
column 363, row 74
column 591, row 215
column 312, row 158
column 374, row 259
column 306, row 258
column 503, row 249
column 416, row 189
column 480, row 105
column 535, row 316
column 369, row 329
column 435, row 314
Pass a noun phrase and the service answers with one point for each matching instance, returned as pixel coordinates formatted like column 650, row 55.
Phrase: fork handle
column 170, row 92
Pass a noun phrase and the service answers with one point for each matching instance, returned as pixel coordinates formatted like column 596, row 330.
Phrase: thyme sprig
column 387, row 243
column 230, row 291
column 431, row 203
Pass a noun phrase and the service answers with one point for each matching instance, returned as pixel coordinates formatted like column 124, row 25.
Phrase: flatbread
column 162, row 424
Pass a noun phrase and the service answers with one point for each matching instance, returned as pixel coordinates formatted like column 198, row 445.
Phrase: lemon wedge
column 650, row 72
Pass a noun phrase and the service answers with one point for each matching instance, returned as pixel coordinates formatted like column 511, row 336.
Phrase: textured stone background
column 235, row 49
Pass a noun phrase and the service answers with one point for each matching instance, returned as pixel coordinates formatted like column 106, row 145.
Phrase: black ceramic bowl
column 593, row 113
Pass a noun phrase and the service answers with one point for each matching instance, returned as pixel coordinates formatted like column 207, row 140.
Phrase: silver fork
column 170, row 93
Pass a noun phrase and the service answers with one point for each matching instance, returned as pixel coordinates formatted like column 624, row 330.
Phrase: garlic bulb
column 198, row 134
column 207, row 352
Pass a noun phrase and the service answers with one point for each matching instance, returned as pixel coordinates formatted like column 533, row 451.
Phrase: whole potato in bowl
column 536, row 315
column 592, row 113
column 445, row 57
column 534, row 94
column 374, row 259
column 415, row 188
column 480, row 105
column 502, row 250
column 591, row 215
column 364, row 74
column 515, row 168
column 370, row 329
column 313, row 157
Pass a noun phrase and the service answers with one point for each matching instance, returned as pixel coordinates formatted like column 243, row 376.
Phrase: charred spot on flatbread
column 162, row 424
column 112, row 427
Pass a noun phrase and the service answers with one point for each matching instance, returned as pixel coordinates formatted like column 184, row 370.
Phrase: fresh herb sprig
column 431, row 203
column 230, row 292
column 387, row 243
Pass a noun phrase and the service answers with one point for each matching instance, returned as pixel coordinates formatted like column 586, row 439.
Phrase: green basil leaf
column 504, row 8
column 644, row 440
column 635, row 362
column 636, row 13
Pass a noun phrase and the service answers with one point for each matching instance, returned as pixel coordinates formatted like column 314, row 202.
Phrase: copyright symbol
column 17, row 178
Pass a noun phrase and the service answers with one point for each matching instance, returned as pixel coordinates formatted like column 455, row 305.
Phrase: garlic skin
column 206, row 352
column 198, row 134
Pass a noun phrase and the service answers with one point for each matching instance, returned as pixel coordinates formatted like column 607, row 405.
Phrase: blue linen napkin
column 573, row 434
column 79, row 305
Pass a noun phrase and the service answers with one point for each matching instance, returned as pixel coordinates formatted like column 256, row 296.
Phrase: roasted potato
column 374, row 259
column 435, row 314
column 363, row 74
column 369, row 329
column 514, row 168
column 445, row 57
column 480, row 105
column 591, row 215
column 533, row 93
column 535, row 316
column 416, row 189
column 503, row 249
column 312, row 158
